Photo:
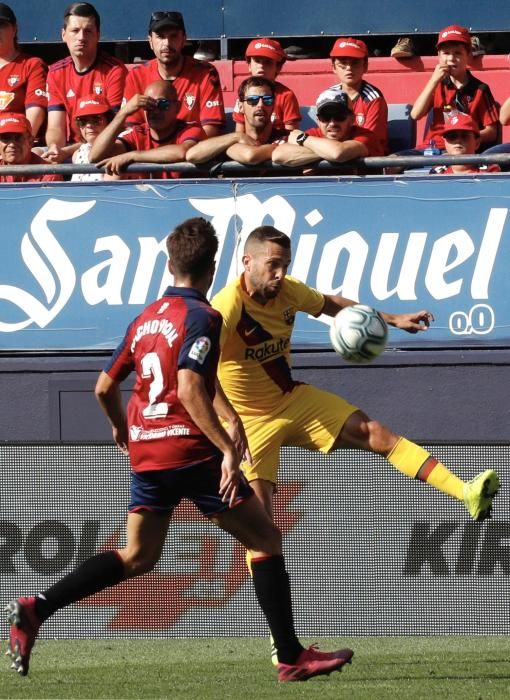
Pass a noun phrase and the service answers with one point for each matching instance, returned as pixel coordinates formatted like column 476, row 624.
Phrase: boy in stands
column 452, row 88
column 462, row 138
column 350, row 63
column 265, row 59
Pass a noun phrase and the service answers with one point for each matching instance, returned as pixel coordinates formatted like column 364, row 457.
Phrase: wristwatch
column 300, row 140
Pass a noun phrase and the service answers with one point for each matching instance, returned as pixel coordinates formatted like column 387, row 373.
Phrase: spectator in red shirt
column 22, row 77
column 162, row 139
column 265, row 60
column 462, row 138
column 86, row 71
column 337, row 138
column 452, row 88
column 197, row 83
column 15, row 149
column 350, row 63
column 256, row 144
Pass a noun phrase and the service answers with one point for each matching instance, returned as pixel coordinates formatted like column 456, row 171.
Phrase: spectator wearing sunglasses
column 265, row 59
column 86, row 71
column 197, row 83
column 350, row 62
column 256, row 144
column 337, row 137
column 92, row 116
column 163, row 138
column 453, row 88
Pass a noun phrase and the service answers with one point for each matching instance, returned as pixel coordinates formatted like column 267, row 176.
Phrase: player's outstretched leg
column 414, row 461
column 24, row 627
column 476, row 494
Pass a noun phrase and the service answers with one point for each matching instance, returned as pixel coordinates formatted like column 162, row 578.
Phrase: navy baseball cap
column 166, row 19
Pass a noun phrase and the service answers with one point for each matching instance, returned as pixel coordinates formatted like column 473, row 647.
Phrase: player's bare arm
column 192, row 393
column 107, row 393
column 411, row 322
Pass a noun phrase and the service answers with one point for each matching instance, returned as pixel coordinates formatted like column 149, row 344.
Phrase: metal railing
column 221, row 168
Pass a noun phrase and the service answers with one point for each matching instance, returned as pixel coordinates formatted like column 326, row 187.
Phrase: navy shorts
column 162, row 490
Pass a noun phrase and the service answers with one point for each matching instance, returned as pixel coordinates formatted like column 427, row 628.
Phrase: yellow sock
column 409, row 458
column 248, row 558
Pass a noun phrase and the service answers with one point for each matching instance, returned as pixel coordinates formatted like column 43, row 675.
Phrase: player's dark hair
column 263, row 234
column 82, row 9
column 192, row 247
column 254, row 81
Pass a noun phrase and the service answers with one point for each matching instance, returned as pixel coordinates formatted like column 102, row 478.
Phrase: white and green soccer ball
column 358, row 333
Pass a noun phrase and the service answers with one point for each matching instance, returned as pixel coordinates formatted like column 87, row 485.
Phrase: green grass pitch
column 411, row 668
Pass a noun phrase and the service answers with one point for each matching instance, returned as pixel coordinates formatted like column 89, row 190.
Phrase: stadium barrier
column 220, row 167
column 369, row 551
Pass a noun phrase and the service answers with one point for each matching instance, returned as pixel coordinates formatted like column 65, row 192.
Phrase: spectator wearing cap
column 337, row 138
column 22, row 77
column 462, row 138
column 350, row 62
column 15, row 149
column 256, row 144
column 92, row 116
column 265, row 59
column 86, row 71
column 163, row 138
column 197, row 83
column 453, row 88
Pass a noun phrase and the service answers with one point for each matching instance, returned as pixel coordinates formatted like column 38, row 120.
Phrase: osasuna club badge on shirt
column 200, row 349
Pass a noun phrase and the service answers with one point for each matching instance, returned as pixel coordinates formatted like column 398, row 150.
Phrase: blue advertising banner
column 80, row 261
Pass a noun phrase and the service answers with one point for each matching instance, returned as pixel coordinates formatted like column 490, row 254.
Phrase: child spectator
column 92, row 116
column 462, row 138
column 350, row 63
column 452, row 88
column 265, row 59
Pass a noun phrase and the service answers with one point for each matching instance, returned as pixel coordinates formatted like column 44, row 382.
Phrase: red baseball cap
column 270, row 48
column 454, row 33
column 91, row 105
column 458, row 121
column 13, row 123
column 352, row 48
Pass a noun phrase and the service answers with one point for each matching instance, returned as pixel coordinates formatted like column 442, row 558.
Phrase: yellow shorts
column 313, row 419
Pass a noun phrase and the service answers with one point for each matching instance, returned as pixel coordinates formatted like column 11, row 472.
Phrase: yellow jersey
column 254, row 368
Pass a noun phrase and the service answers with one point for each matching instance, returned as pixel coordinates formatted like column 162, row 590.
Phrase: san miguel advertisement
column 79, row 262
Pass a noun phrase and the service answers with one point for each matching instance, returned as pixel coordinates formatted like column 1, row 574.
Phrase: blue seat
column 401, row 128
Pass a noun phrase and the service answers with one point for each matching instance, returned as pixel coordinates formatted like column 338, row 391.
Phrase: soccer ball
column 358, row 333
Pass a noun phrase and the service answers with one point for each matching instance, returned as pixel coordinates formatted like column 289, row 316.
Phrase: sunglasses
column 93, row 119
column 326, row 117
column 157, row 16
column 253, row 100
